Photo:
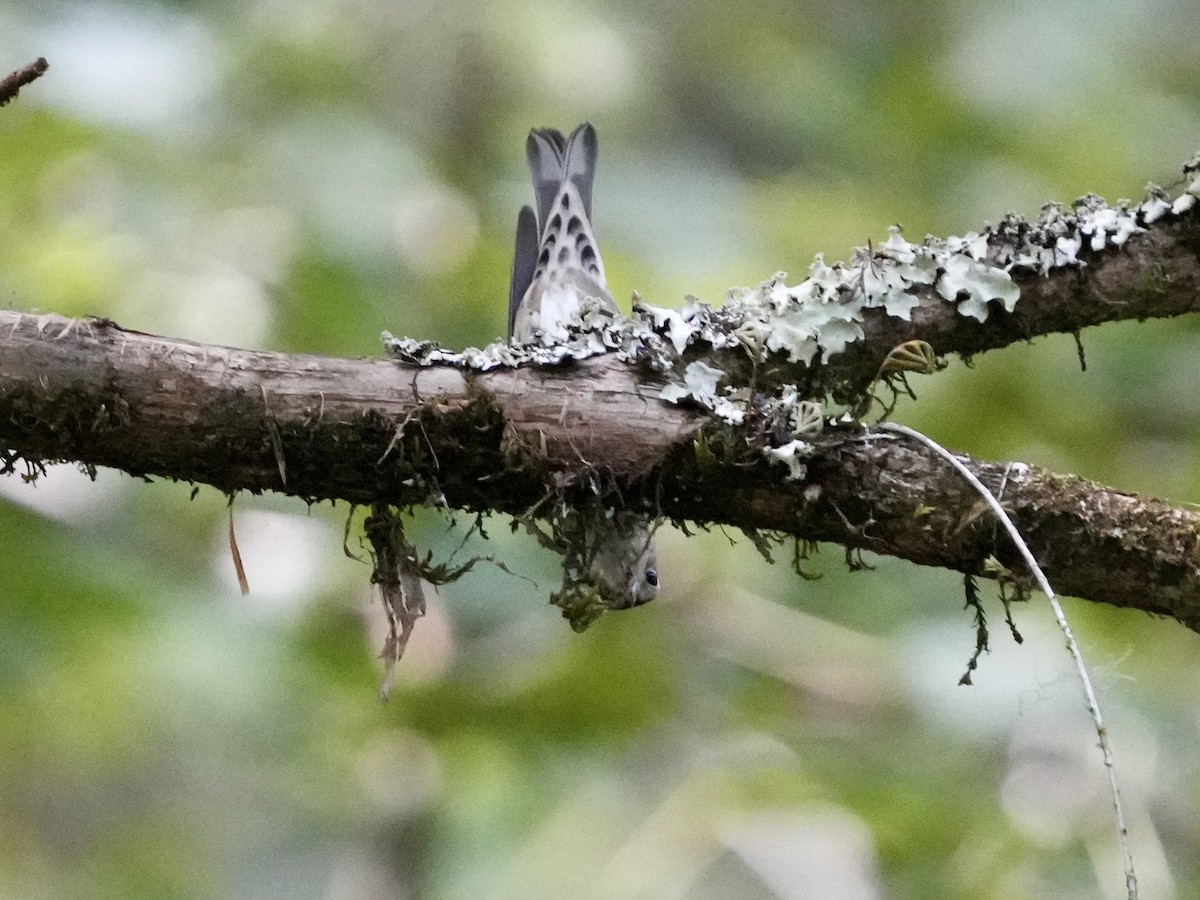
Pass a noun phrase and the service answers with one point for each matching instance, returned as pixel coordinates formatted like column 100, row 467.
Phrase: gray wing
column 544, row 150
column 579, row 163
column 524, row 262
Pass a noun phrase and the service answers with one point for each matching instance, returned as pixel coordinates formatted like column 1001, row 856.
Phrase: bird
column 556, row 267
column 556, row 264
column 625, row 559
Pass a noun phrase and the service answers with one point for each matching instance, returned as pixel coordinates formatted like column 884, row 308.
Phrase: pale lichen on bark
column 740, row 443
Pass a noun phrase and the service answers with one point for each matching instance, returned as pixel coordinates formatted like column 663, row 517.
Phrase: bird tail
column 524, row 263
column 554, row 160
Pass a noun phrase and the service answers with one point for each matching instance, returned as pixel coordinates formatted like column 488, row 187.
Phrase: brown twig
column 11, row 85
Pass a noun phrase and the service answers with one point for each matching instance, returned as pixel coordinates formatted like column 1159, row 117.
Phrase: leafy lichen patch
column 763, row 362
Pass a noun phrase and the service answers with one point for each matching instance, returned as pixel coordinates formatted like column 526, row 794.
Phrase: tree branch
column 688, row 418
column 11, row 84
column 1154, row 274
column 365, row 431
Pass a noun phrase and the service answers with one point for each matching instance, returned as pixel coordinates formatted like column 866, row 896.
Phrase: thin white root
column 1092, row 703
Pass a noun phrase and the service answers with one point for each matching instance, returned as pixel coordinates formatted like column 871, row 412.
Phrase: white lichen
column 980, row 283
column 1156, row 204
column 820, row 316
column 792, row 454
column 699, row 385
column 807, row 418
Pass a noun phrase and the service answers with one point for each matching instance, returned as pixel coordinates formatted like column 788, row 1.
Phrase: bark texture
column 367, row 431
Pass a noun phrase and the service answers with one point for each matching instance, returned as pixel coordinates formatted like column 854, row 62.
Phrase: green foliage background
column 300, row 176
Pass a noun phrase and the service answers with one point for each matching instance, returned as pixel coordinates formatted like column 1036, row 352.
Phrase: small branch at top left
column 12, row 83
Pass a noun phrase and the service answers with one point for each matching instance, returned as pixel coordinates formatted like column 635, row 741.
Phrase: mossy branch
column 370, row 431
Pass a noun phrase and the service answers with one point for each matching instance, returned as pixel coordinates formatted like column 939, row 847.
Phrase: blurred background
column 299, row 176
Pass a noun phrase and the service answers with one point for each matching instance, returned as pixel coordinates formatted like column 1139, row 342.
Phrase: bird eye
column 651, row 578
